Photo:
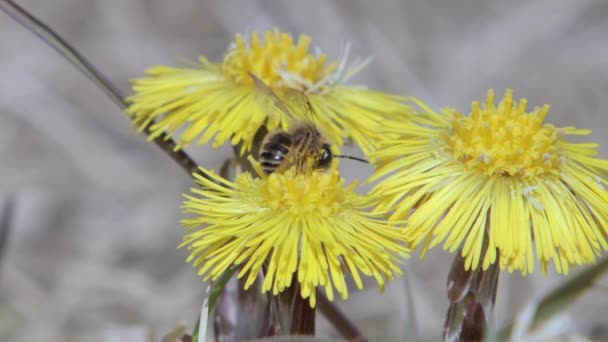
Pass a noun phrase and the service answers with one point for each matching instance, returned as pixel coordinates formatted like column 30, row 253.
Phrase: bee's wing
column 293, row 103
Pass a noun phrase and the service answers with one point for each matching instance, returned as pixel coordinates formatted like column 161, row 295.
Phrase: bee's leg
column 304, row 149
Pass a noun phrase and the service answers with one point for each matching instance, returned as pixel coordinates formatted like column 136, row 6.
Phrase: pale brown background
column 92, row 250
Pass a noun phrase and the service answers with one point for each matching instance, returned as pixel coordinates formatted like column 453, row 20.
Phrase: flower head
column 217, row 100
column 304, row 224
column 500, row 174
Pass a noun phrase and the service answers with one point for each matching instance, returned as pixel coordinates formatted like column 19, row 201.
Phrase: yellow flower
column 218, row 99
column 499, row 171
column 306, row 224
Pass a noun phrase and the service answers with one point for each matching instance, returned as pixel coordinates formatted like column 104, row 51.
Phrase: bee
column 301, row 144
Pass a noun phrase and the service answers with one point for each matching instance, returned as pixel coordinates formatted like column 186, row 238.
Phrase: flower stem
column 472, row 295
column 302, row 316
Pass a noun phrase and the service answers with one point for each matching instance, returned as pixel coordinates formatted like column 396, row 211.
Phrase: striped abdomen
column 274, row 151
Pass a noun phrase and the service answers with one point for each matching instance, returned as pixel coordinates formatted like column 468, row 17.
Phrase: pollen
column 505, row 140
column 275, row 60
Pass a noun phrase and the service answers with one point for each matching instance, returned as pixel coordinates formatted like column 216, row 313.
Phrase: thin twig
column 55, row 41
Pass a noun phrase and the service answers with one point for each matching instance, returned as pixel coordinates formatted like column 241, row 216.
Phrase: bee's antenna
column 353, row 158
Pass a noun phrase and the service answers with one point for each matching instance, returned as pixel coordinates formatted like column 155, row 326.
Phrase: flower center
column 305, row 193
column 505, row 140
column 277, row 61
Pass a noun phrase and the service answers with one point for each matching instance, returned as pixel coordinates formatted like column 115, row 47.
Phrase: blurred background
column 91, row 253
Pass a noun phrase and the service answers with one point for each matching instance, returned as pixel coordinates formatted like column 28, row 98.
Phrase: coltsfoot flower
column 218, row 101
column 305, row 224
column 500, row 172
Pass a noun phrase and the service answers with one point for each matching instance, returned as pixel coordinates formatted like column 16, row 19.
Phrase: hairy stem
column 472, row 294
column 302, row 315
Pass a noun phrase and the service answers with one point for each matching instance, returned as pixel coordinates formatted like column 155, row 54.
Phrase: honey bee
column 301, row 144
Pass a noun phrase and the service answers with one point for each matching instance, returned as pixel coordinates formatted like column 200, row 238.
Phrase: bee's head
column 324, row 157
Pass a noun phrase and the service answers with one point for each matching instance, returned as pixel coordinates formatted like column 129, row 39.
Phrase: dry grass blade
column 560, row 298
column 6, row 220
column 55, row 41
column 407, row 309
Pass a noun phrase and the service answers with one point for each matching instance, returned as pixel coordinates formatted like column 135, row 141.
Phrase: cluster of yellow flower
column 499, row 174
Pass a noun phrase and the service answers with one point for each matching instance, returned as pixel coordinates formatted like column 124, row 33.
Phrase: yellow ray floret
column 502, row 174
column 217, row 101
column 307, row 225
